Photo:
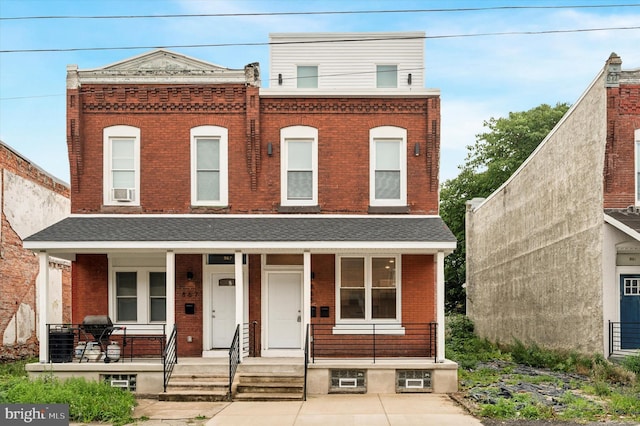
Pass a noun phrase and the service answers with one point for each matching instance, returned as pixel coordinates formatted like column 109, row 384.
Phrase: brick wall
column 19, row 267
column 189, row 292
column 165, row 116
column 623, row 118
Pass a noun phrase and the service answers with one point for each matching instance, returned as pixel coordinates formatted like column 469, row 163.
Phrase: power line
column 189, row 46
column 351, row 12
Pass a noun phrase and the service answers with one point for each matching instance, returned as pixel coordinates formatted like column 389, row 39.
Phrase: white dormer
column 358, row 63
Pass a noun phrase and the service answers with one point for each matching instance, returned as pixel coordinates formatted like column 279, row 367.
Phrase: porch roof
column 244, row 232
column 626, row 220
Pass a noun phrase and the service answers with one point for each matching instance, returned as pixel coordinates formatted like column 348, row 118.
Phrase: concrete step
column 266, row 378
column 262, row 396
column 194, row 395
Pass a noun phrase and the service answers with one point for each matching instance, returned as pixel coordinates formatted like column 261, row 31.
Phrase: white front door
column 223, row 310
column 284, row 310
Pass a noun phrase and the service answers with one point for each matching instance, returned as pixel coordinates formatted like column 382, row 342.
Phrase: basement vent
column 123, row 381
column 413, row 381
column 347, row 381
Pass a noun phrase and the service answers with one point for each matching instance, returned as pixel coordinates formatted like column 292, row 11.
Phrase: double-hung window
column 386, row 76
column 140, row 296
column 307, row 76
column 388, row 166
column 299, row 166
column 121, row 165
column 209, row 166
column 368, row 288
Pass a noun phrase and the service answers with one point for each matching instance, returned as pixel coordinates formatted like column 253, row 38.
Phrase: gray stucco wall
column 534, row 268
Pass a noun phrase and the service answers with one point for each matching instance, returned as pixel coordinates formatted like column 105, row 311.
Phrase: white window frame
column 142, row 294
column 109, row 134
column 298, row 77
column 382, row 133
column 637, row 166
column 362, row 326
column 213, row 132
column 378, row 86
column 298, row 133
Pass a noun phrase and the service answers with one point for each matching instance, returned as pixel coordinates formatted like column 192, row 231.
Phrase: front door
column 223, row 310
column 629, row 311
column 284, row 310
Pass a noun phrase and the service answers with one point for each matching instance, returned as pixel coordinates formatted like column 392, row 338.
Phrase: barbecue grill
column 100, row 327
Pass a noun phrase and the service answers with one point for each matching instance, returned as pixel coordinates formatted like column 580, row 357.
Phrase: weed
column 626, row 404
column 632, row 363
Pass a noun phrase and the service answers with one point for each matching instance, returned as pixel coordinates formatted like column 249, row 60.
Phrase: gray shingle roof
column 628, row 217
column 250, row 229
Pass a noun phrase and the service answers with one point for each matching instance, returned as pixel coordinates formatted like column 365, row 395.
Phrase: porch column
column 42, row 289
column 440, row 304
column 239, row 299
column 306, row 294
column 171, row 291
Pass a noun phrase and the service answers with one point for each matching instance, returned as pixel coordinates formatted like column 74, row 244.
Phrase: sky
column 546, row 57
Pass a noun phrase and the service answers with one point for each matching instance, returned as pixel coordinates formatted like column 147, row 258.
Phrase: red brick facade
column 623, row 119
column 165, row 115
column 19, row 267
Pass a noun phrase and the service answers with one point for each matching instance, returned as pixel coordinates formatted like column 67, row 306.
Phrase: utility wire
column 188, row 46
column 350, row 12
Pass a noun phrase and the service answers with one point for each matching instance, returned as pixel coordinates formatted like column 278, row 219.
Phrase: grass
column 592, row 388
column 88, row 401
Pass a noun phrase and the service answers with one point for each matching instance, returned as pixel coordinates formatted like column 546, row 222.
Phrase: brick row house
column 302, row 212
column 557, row 247
column 30, row 200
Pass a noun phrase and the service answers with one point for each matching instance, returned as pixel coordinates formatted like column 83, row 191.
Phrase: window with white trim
column 388, row 166
column 386, row 76
column 139, row 295
column 209, row 166
column 637, row 145
column 121, row 165
column 368, row 288
column 299, row 166
column 631, row 287
column 307, row 76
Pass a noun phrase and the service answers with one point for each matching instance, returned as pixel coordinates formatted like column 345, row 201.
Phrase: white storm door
column 284, row 310
column 223, row 310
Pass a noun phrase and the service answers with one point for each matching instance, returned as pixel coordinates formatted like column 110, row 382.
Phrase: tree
column 494, row 157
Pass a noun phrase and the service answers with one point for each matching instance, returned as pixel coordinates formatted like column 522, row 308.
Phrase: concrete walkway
column 333, row 410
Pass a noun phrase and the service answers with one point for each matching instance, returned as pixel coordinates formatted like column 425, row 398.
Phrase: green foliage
column 16, row 368
column 88, row 401
column 464, row 347
column 580, row 408
column 632, row 363
column 625, row 404
column 521, row 406
column 495, row 155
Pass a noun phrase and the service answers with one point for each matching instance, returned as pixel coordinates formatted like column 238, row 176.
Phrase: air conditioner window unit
column 123, row 194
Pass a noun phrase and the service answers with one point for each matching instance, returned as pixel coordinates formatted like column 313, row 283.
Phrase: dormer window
column 307, row 76
column 386, row 76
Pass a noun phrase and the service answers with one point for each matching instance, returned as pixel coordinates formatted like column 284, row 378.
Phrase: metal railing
column 624, row 337
column 234, row 359
column 408, row 340
column 306, row 362
column 170, row 356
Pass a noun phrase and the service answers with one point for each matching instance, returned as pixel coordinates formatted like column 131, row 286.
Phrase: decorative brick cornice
column 340, row 107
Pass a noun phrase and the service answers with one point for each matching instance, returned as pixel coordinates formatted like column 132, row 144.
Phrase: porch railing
column 72, row 342
column 234, row 359
column 306, row 362
column 413, row 340
column 624, row 337
column 170, row 356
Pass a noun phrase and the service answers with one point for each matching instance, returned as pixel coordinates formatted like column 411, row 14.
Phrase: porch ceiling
column 247, row 233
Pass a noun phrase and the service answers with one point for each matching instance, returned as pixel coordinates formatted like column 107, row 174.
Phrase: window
column 140, row 296
column 631, row 287
column 209, row 166
column 637, row 137
column 307, row 77
column 368, row 288
column 121, row 165
column 299, row 166
column 386, row 76
column 388, row 171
